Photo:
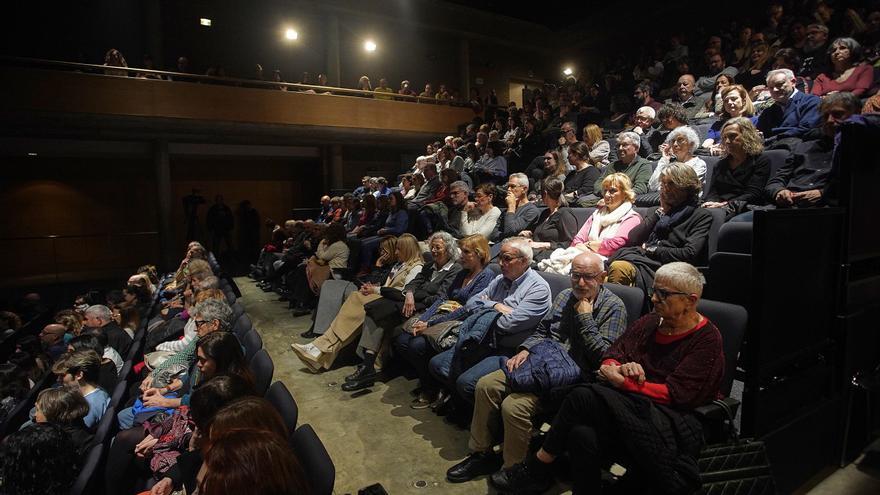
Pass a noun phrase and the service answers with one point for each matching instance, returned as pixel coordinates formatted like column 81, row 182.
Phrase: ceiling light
column 568, row 71
column 370, row 46
column 204, row 21
column 291, row 34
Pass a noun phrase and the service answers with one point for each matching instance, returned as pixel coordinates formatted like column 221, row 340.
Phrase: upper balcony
column 64, row 99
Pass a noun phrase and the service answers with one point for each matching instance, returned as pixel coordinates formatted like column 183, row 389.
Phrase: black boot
column 364, row 376
column 476, row 464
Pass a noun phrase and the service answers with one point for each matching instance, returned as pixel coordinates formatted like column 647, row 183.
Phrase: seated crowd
column 195, row 418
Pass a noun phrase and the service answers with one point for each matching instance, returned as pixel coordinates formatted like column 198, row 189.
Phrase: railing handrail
column 71, row 236
column 226, row 81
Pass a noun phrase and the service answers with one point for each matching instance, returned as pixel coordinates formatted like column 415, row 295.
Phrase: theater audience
column 584, row 321
column 111, row 363
column 395, row 306
column 332, row 254
column 52, row 340
column 793, row 112
column 81, row 370
column 38, row 460
column 760, row 62
column 322, row 352
column 677, row 231
column 492, row 166
column 14, row 387
column 670, row 116
column 395, row 224
column 513, row 303
column 665, row 364
column 599, row 148
column 847, row 72
column 686, row 97
column 740, row 176
column 628, row 162
column 480, row 216
column 608, row 228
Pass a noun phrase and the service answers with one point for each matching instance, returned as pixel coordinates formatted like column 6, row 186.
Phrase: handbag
column 317, row 274
column 548, row 366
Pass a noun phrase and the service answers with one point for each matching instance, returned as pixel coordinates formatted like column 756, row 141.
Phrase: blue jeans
column 466, row 383
column 748, row 216
column 415, row 350
column 125, row 418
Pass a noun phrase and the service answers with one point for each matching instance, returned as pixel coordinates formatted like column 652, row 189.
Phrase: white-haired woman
column 397, row 305
column 679, row 147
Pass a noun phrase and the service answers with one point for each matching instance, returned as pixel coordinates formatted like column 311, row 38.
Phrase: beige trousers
column 496, row 407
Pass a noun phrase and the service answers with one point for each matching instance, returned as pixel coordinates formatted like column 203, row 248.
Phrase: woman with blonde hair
column 599, row 148
column 739, row 178
column 608, row 228
column 346, row 327
column 736, row 102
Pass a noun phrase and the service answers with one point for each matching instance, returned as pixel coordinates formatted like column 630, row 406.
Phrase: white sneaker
column 308, row 349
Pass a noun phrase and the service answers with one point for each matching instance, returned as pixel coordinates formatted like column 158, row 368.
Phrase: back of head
column 212, row 395
column 254, row 462
column 13, row 381
column 248, row 413
column 38, row 460
column 408, row 246
column 62, row 405
column 93, row 341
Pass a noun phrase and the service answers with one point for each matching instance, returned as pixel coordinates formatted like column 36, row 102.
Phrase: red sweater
column 861, row 80
column 681, row 370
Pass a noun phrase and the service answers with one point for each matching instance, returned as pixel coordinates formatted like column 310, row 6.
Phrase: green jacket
column 639, row 172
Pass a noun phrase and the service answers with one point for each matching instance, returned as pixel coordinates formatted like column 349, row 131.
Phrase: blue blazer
column 801, row 115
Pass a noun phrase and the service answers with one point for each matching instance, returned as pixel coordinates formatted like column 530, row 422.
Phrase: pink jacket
column 612, row 244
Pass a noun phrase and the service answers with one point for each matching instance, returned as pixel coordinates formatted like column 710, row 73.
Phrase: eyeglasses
column 586, row 277
column 662, row 294
column 202, row 322
column 513, row 185
column 508, row 258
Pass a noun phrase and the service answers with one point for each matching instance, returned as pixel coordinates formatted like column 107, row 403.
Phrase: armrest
column 716, row 412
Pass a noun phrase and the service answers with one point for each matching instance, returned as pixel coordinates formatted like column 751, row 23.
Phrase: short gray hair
column 215, row 309
column 522, row 245
column 682, row 276
column 688, row 133
column 630, row 136
column 460, row 184
column 99, row 311
column 520, row 178
column 647, row 111
column 452, row 251
column 789, row 75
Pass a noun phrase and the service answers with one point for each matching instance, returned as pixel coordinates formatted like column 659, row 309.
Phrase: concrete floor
column 378, row 438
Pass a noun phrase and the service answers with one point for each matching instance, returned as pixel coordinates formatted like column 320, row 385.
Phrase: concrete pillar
column 331, row 33
column 464, row 68
column 163, row 195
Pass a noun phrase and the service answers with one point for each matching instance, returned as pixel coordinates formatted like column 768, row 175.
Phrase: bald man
column 684, row 92
column 585, row 320
column 52, row 340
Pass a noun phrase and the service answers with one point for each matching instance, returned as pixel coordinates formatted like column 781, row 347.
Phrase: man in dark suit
column 99, row 317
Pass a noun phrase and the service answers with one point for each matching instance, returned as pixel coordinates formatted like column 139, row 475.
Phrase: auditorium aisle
column 373, row 438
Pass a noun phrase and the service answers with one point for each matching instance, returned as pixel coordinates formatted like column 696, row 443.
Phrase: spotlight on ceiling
column 370, row 46
column 204, row 21
column 291, row 34
column 568, row 71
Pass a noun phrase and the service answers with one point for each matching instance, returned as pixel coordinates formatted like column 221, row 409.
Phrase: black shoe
column 360, row 379
column 309, row 334
column 521, row 480
column 301, row 311
column 359, row 372
column 476, row 464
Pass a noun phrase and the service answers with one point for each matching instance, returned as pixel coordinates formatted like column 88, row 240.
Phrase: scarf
column 669, row 221
column 605, row 225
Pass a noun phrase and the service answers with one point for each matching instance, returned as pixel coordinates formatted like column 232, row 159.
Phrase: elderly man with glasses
column 585, row 319
column 521, row 214
column 520, row 298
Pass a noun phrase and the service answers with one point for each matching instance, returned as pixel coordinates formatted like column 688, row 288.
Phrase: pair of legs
column 466, row 383
column 496, row 408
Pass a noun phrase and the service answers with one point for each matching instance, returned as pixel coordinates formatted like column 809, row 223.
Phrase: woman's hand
column 145, row 447
column 666, row 150
column 164, row 487
column 419, row 327
column 147, row 383
column 409, row 305
column 611, row 373
column 714, row 204
column 517, row 360
column 525, row 233
column 633, row 370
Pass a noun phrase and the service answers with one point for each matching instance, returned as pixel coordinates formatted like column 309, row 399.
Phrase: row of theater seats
column 303, row 440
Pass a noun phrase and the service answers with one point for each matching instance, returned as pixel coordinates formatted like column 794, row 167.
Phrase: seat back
column 237, row 310
column 582, row 214
column 86, row 481
column 315, row 460
column 242, row 326
column 718, row 215
column 633, row 299
column 118, row 394
column 280, row 397
column 730, row 278
column 105, row 429
column 252, row 343
column 735, row 237
column 263, row 368
column 777, row 160
column 732, row 321
column 135, row 350
column 557, row 282
column 711, row 162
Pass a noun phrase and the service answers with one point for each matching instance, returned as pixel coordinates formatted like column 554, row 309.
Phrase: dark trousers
column 415, row 350
column 302, row 293
column 123, row 467
column 584, row 428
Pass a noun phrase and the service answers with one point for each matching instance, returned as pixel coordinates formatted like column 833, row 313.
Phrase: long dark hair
column 335, row 232
column 225, row 349
column 401, row 203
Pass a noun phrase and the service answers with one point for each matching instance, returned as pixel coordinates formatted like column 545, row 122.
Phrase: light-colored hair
column 87, row 361
column 630, row 136
column 478, row 244
column 789, row 75
column 521, row 178
column 683, row 177
column 623, row 182
column 460, row 185
column 688, row 133
column 215, row 309
column 752, row 143
column 99, row 311
column 209, row 282
column 62, row 405
column 748, row 106
column 682, row 276
column 592, row 134
column 452, row 251
column 522, row 245
column 197, row 267
column 409, row 249
column 647, row 111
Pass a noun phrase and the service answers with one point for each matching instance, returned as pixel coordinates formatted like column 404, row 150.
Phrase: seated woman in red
column 666, row 364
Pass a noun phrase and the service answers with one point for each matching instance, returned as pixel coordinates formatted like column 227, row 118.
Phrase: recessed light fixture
column 32, row 153
column 291, row 34
column 204, row 21
column 370, row 46
column 568, row 71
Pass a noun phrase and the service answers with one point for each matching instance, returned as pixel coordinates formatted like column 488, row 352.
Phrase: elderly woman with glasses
column 665, row 365
column 608, row 228
column 678, row 148
column 385, row 315
column 677, row 231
